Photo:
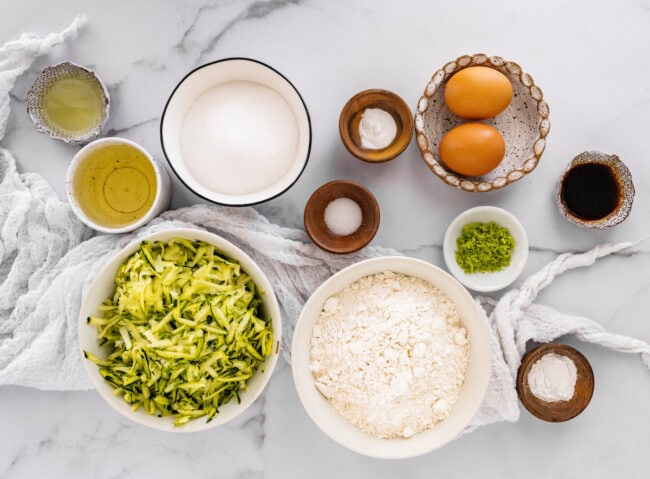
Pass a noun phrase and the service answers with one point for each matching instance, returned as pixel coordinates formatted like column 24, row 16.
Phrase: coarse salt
column 390, row 354
column 239, row 138
column 343, row 216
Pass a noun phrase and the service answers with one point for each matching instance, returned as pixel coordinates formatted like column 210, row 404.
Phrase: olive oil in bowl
column 114, row 185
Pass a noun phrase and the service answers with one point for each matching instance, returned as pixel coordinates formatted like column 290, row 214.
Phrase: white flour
column 553, row 378
column 239, row 137
column 390, row 354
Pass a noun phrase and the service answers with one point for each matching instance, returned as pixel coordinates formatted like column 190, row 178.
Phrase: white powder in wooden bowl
column 390, row 354
column 553, row 377
column 239, row 137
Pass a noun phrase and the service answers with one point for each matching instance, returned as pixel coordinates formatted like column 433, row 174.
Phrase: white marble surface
column 592, row 63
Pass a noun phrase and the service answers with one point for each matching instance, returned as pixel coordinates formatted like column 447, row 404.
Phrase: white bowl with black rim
column 234, row 171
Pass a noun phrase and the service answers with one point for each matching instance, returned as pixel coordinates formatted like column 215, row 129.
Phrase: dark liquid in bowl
column 590, row 191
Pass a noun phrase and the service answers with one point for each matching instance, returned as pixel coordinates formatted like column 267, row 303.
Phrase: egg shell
column 476, row 93
column 472, row 149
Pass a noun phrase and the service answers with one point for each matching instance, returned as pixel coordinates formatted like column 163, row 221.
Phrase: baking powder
column 390, row 354
column 377, row 129
column 553, row 378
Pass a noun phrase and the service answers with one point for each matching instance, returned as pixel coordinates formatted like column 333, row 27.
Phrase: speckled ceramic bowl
column 524, row 125
column 36, row 94
column 623, row 179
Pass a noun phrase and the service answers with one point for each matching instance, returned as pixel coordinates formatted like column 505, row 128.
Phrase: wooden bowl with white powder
column 376, row 125
column 236, row 132
column 555, row 382
column 341, row 216
column 391, row 357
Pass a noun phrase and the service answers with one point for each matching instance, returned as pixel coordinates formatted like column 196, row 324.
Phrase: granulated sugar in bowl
column 236, row 132
column 381, row 401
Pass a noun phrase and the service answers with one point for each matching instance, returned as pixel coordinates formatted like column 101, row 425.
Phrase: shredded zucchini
column 184, row 328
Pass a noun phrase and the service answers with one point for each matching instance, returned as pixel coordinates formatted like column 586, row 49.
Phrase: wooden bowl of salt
column 341, row 216
column 555, row 382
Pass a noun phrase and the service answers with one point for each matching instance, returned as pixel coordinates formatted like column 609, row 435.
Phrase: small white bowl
column 85, row 212
column 103, row 286
column 209, row 76
column 486, row 282
column 472, row 390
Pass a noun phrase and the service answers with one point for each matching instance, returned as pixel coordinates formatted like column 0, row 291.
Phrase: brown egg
column 477, row 93
column 472, row 149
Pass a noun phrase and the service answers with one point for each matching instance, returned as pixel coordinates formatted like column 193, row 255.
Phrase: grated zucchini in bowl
column 185, row 330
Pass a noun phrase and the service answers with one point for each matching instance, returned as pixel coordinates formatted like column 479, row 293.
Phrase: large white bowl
column 472, row 390
column 210, row 75
column 103, row 286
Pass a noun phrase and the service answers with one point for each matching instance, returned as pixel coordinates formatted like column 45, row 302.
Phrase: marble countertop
column 590, row 60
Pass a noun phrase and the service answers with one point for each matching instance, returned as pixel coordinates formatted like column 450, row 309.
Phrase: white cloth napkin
column 48, row 259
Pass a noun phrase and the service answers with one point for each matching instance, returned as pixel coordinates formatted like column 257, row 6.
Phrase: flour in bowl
column 390, row 354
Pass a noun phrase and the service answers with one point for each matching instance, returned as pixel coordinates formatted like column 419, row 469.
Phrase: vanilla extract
column 590, row 191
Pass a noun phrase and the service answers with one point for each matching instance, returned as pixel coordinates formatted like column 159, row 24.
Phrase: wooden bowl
column 558, row 411
column 314, row 217
column 351, row 117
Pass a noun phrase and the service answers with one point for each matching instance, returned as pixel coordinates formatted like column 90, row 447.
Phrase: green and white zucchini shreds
column 185, row 330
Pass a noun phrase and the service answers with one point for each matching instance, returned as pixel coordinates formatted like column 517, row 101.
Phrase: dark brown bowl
column 351, row 117
column 314, row 217
column 559, row 411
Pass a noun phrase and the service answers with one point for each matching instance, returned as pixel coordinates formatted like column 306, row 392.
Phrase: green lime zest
column 484, row 247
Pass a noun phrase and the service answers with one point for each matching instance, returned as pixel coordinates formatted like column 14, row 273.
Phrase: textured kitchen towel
column 48, row 259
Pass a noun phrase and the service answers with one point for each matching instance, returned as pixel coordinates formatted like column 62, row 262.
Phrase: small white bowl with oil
column 114, row 185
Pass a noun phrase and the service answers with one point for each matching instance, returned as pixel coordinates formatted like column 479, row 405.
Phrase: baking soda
column 239, row 138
